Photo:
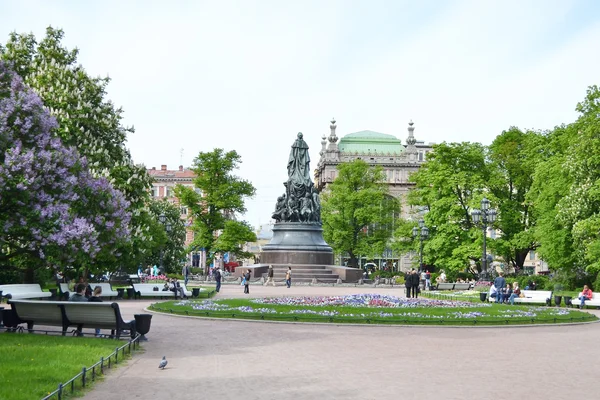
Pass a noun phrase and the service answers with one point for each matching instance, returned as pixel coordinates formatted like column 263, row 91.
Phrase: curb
column 374, row 324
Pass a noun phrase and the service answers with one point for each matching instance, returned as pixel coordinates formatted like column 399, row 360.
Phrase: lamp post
column 423, row 233
column 162, row 218
column 484, row 217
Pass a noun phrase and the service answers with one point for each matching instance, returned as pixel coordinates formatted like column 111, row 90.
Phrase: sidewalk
column 227, row 359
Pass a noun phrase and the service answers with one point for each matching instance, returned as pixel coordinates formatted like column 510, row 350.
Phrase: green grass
column 494, row 314
column 32, row 365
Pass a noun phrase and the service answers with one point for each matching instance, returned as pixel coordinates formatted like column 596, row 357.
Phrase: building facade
column 398, row 161
column 163, row 187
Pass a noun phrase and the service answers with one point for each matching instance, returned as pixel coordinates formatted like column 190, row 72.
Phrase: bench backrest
column 447, row 286
column 24, row 288
column 43, row 312
column 537, row 294
column 64, row 287
column 93, row 315
column 462, row 286
column 147, row 287
column 106, row 288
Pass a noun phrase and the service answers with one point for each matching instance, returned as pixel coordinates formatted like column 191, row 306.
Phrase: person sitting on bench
column 585, row 295
column 176, row 288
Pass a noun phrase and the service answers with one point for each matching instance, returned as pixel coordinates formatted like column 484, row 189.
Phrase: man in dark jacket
column 408, row 283
column 499, row 284
column 414, row 283
column 79, row 293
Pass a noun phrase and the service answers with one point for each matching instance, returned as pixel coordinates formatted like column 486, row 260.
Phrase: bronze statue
column 300, row 202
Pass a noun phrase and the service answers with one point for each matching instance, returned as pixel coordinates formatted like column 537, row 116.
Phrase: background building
column 163, row 186
column 397, row 160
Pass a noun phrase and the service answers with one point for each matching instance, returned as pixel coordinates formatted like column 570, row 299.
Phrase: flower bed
column 372, row 308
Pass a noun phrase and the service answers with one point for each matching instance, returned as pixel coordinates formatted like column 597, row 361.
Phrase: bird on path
column 163, row 363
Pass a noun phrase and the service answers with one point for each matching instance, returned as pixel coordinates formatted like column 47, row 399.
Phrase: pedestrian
column 217, row 276
column 247, row 282
column 408, row 283
column 288, row 277
column 428, row 280
column 95, row 298
column 414, row 278
column 270, row 274
column 185, row 271
column 499, row 284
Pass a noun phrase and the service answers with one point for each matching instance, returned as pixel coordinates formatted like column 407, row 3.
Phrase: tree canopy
column 358, row 211
column 214, row 202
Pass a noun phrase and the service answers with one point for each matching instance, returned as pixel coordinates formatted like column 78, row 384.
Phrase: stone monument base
column 297, row 243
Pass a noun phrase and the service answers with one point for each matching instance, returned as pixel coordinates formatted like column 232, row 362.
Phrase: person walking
column 95, row 298
column 185, row 271
column 408, row 283
column 427, row 280
column 217, row 275
column 415, row 282
column 270, row 274
column 499, row 284
column 288, row 277
column 247, row 282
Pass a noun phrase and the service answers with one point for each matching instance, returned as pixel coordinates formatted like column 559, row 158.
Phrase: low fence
column 90, row 373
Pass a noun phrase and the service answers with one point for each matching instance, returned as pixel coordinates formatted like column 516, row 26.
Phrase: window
column 532, row 255
column 198, row 190
column 420, row 156
column 184, row 210
column 169, row 192
column 154, row 192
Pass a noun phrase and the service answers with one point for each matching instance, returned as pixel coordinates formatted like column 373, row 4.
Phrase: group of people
column 270, row 274
column 173, row 285
column 93, row 296
column 502, row 292
column 412, row 283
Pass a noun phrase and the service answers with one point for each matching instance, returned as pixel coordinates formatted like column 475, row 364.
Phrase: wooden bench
column 25, row 291
column 147, row 290
column 530, row 297
column 595, row 301
column 445, row 286
column 66, row 314
column 462, row 286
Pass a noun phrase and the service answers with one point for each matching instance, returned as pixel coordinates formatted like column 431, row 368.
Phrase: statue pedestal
column 297, row 243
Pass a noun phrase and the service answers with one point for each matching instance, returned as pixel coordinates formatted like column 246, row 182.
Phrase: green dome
column 370, row 142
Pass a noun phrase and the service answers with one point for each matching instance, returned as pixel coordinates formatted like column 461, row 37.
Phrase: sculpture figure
column 299, row 164
column 280, row 209
column 306, row 211
column 293, row 209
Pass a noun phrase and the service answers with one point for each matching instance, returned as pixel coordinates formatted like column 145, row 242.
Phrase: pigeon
column 163, row 363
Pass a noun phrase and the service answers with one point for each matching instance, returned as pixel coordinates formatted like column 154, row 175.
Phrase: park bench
column 148, row 290
column 531, row 297
column 65, row 314
column 64, row 291
column 462, row 286
column 595, row 301
column 445, row 286
column 107, row 290
column 25, row 291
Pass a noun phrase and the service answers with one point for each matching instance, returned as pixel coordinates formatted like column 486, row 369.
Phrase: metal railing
column 90, row 373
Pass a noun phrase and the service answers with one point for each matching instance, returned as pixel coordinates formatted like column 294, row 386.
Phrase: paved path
column 226, row 359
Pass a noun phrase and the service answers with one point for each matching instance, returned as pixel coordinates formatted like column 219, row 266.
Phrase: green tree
column 512, row 159
column 219, row 196
column 357, row 211
column 567, row 194
column 91, row 123
column 447, row 187
column 171, row 243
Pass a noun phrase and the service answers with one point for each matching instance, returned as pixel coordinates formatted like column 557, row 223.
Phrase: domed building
column 397, row 160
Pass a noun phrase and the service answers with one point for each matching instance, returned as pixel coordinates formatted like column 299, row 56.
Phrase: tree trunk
column 28, row 276
column 353, row 262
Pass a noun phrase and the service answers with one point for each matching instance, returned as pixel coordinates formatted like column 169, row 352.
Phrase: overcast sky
column 249, row 75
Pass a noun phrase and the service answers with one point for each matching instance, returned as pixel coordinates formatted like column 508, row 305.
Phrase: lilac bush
column 51, row 207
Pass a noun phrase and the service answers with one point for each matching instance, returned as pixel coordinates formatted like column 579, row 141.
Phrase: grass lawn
column 383, row 310
column 32, row 365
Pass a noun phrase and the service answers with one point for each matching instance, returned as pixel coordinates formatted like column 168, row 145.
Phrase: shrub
column 399, row 280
